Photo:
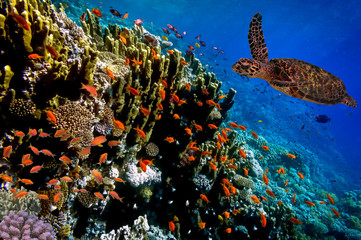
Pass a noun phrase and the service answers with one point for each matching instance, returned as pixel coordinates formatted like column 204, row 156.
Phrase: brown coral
column 22, row 107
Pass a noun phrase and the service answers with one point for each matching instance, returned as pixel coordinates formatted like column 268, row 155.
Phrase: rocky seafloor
column 109, row 137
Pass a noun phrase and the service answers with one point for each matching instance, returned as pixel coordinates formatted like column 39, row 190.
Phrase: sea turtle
column 293, row 77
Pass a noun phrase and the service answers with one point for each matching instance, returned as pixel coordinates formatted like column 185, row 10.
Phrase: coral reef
column 21, row 225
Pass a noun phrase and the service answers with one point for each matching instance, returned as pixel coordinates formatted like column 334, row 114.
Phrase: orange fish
column 142, row 165
column 279, row 202
column 125, row 16
column 281, row 170
column 199, row 103
column 294, row 198
column 52, row 51
column 171, row 226
column 188, row 131
column 228, row 230
column 97, row 12
column 184, row 63
column 309, row 203
column 155, row 56
column 213, row 166
column 265, row 179
column 46, row 152
column 242, row 127
column 226, row 214
column 36, row 169
column 222, row 96
column 102, row 158
column 235, row 212
column 133, row 91
column 135, row 62
column 98, row 141
column 198, row 127
column 110, row 73
column 20, row 20
column 270, row 193
column 97, row 175
column 176, row 116
column 260, row 158
column 300, row 175
column 245, row 171
column 162, row 93
column 19, row 134
column 175, row 98
column 323, row 202
column 119, row 180
column 290, row 155
column 57, row 197
column 206, row 153
column 66, row 179
column 32, row 132
column 7, row 152
column 204, row 198
column 266, row 148
column 295, row 221
column 124, row 40
column 127, row 61
column 170, row 51
column 6, row 178
column 254, row 135
column 263, row 219
column 51, row 116
column 233, row 189
column 26, row 181
column 226, row 190
column 140, row 133
column 91, row 89
column 35, row 56
column 330, row 199
column 201, row 225
column 169, row 139
column 255, row 199
column 286, row 182
column 144, row 111
column 75, row 140
column 113, row 143
column 205, row 91
column 43, row 135
column 118, row 124
column 43, row 196
column 188, row 86
column 21, row 194
column 60, row 133
column 242, row 153
column 65, row 159
column 85, row 151
column 52, row 182
column 115, row 195
column 264, row 199
column 212, row 126
column 335, row 212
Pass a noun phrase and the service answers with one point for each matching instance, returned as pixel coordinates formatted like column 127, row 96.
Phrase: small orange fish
column 124, row 40
column 113, row 143
column 155, row 56
column 254, row 135
column 144, row 111
column 110, row 73
column 226, row 190
column 97, row 175
column 21, row 194
column 32, row 132
column 184, row 63
column 270, row 193
column 175, row 98
column 169, row 139
column 57, row 187
column 20, row 20
column 46, row 152
column 57, row 197
column 263, row 220
column 142, row 165
column 213, row 166
column 19, row 134
column 205, row 91
column 99, row 195
column 335, row 212
column 286, row 182
column 26, row 181
column 51, row 116
column 266, row 148
column 232, row 124
column 66, row 179
column 127, row 61
column 242, row 127
column 170, row 51
column 52, row 52
column 309, row 203
column 235, row 212
column 330, row 199
column 97, row 12
column 188, row 86
column 75, row 141
column 199, row 103
column 265, row 179
column 201, row 225
column 52, row 182
column 119, row 180
column 102, row 158
column 85, row 151
column 198, row 127
column 6, row 178
column 222, row 96
column 188, row 131
column 140, row 133
column 323, row 202
column 176, row 116
column 279, row 202
column 60, row 133
column 35, row 56
column 115, row 195
column 98, row 141
column 204, row 153
column 132, row 90
column 162, row 93
column 135, row 62
column 7, row 152
column 125, row 16
column 295, row 221
column 212, row 126
column 300, row 175
column 171, row 226
column 242, row 153
column 36, row 169
column 290, row 155
column 43, row 196
column 204, row 198
column 226, row 214
column 294, row 198
column 255, row 199
column 245, row 170
column 228, row 230
column 43, row 135
column 118, row 124
column 264, row 198
column 91, row 89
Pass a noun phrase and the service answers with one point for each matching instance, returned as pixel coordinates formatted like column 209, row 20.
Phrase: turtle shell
column 307, row 81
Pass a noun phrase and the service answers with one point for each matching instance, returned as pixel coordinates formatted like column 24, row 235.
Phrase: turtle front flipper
column 349, row 101
column 256, row 42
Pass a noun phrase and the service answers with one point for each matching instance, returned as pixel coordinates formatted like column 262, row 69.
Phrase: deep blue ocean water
column 324, row 33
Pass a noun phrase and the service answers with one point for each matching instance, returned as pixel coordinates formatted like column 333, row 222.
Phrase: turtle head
column 247, row 67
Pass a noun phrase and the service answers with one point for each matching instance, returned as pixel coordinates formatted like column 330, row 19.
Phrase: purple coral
column 25, row 227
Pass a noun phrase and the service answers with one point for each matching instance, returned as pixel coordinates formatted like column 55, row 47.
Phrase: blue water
column 324, row 33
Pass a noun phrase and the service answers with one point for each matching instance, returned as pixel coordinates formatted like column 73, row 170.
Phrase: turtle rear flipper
column 349, row 101
column 256, row 42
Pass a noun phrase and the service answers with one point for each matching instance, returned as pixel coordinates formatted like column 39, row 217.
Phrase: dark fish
column 303, row 126
column 175, row 30
column 150, row 40
column 115, row 12
column 202, row 43
column 178, row 35
column 350, row 113
column 83, row 17
column 165, row 31
column 220, row 52
column 322, row 119
column 170, row 26
column 190, row 53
